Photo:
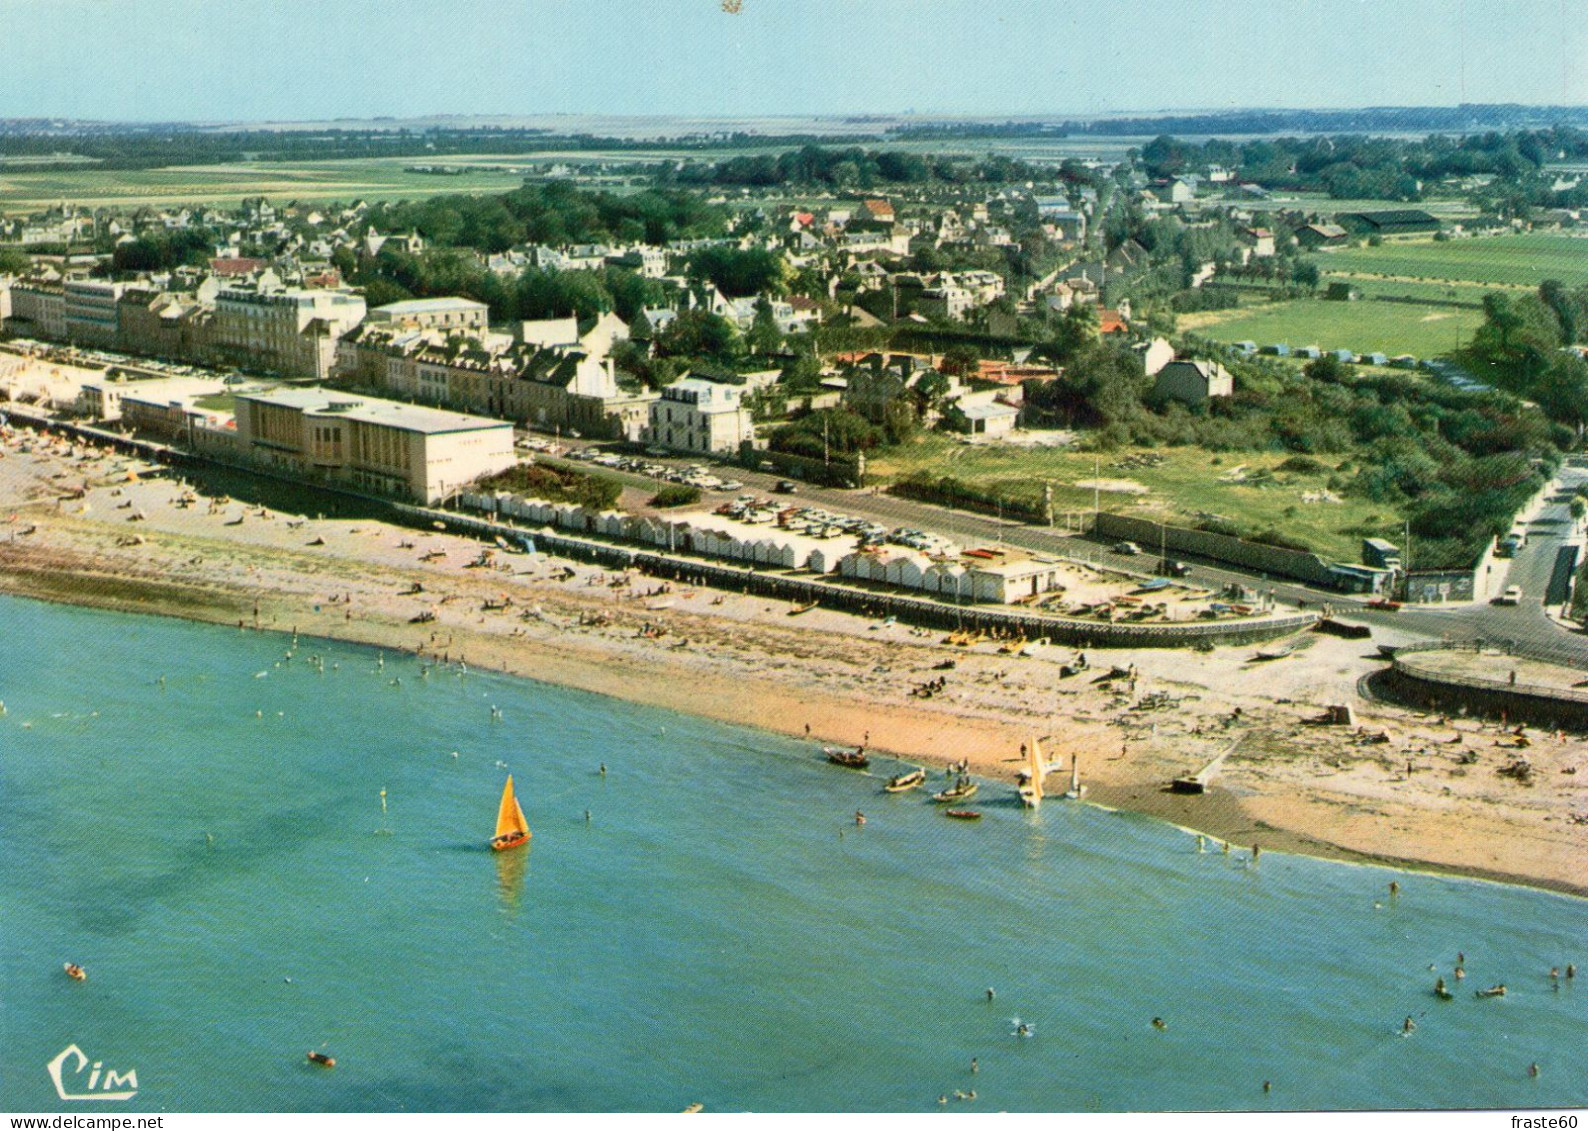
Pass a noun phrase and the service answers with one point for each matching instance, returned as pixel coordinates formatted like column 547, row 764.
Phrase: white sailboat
column 1031, row 780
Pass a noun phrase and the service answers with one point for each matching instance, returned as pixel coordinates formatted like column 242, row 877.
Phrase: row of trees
column 1361, row 166
column 852, row 168
column 554, row 212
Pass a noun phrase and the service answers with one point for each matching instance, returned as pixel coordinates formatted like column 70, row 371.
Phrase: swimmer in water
column 1160, row 1024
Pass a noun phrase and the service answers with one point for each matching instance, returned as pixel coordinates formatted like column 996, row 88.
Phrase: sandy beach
column 1398, row 786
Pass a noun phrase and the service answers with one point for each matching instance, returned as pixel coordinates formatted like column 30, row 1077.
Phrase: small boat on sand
column 797, row 609
column 512, row 829
column 960, row 790
column 76, row 973
column 963, row 814
column 906, row 781
column 1076, row 790
column 854, row 760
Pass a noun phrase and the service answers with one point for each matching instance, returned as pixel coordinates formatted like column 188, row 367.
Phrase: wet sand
column 1287, row 785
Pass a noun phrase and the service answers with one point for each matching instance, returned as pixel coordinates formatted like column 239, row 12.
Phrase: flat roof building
column 387, row 447
column 434, row 313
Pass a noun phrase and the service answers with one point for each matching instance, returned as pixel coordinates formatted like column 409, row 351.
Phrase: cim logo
column 128, row 1080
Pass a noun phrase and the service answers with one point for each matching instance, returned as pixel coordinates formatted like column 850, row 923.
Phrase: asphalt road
column 1538, row 568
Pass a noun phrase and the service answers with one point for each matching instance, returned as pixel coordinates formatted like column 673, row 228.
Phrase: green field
column 373, row 179
column 1362, row 327
column 1524, row 260
column 1184, row 488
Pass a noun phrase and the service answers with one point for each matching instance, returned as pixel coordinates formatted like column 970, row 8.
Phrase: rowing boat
column 905, row 781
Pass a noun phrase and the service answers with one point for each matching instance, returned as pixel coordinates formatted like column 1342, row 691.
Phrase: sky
column 305, row 60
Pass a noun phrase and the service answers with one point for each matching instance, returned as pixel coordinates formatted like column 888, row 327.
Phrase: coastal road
column 1541, row 570
column 1538, row 568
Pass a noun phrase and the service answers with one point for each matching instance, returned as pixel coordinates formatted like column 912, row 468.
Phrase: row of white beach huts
column 985, row 576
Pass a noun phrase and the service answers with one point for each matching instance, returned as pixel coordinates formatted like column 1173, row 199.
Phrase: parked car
column 1126, row 548
column 1512, row 596
column 1171, row 568
column 785, row 487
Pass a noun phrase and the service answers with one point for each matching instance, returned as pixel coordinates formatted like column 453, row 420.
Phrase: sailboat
column 1076, row 790
column 511, row 828
column 1031, row 779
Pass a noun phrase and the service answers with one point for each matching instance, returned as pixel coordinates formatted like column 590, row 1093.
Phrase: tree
column 929, row 392
column 1076, row 330
column 960, row 361
column 739, row 273
column 764, row 335
column 699, row 333
column 557, row 294
column 803, row 374
column 631, row 293
column 1328, row 368
column 1305, row 273
column 827, row 432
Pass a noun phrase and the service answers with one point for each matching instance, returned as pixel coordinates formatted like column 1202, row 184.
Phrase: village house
column 1193, row 382
column 698, row 415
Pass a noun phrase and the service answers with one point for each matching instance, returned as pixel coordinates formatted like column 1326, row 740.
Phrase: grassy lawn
column 1526, row 260
column 1363, row 327
column 1182, row 489
column 217, row 402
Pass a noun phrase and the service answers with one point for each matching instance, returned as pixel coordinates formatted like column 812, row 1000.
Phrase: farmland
column 1362, row 327
column 24, row 191
column 1183, row 488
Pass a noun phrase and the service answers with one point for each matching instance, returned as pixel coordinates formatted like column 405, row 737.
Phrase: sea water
column 198, row 820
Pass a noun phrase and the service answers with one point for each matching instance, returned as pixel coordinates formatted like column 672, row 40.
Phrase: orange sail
column 511, row 827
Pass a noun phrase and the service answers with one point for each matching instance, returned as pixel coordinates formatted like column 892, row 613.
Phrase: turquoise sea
column 197, row 820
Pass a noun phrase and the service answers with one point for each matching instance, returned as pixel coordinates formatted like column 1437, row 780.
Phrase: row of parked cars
column 698, row 475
